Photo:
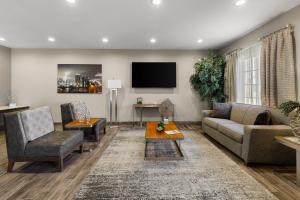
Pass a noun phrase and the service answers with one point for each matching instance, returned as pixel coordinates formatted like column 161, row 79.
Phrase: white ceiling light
column 2, row 39
column 153, row 40
column 200, row 41
column 71, row 1
column 156, row 2
column 240, row 2
column 105, row 40
column 51, row 39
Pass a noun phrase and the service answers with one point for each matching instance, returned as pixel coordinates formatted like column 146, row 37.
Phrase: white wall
column 5, row 58
column 34, row 74
column 291, row 17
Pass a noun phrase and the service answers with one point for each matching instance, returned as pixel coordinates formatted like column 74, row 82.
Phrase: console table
column 6, row 109
column 142, row 107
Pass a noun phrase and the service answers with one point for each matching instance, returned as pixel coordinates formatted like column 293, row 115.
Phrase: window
column 248, row 76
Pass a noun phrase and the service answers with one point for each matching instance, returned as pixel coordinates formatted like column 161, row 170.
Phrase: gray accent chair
column 47, row 145
column 68, row 115
column 252, row 143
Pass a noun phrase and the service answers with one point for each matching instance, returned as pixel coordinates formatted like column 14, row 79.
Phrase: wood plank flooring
column 277, row 179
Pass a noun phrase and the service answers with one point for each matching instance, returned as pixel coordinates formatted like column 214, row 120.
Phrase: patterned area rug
column 205, row 173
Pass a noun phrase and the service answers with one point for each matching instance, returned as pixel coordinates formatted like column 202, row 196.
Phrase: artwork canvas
column 79, row 78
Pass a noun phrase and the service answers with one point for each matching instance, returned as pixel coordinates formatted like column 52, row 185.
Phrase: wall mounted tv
column 153, row 74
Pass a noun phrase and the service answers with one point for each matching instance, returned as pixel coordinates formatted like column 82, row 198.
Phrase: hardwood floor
column 278, row 179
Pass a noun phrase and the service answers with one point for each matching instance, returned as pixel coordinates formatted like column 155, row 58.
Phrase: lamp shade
column 114, row 84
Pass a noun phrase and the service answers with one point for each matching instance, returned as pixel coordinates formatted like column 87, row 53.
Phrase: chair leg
column 60, row 164
column 104, row 130
column 10, row 166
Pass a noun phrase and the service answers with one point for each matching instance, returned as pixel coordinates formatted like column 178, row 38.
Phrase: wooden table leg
column 141, row 120
column 298, row 167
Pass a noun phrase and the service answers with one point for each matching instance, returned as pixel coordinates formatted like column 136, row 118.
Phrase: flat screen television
column 153, row 74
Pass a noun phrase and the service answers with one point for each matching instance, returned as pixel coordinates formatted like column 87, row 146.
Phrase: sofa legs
column 60, row 164
column 10, row 166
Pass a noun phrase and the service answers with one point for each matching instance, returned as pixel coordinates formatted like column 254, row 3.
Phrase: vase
column 295, row 125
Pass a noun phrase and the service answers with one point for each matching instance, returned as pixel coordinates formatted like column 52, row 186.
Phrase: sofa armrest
column 206, row 113
column 259, row 145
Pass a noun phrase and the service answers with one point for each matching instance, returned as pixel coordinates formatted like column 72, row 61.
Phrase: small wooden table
column 153, row 135
column 142, row 107
column 285, row 141
column 86, row 124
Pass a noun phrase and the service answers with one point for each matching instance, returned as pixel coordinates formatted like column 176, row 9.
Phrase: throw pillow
column 81, row 111
column 221, row 110
column 264, row 118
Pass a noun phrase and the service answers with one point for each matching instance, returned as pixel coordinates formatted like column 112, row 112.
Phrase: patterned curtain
column 278, row 73
column 229, row 76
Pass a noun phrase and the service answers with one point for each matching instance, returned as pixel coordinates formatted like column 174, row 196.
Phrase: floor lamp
column 113, row 86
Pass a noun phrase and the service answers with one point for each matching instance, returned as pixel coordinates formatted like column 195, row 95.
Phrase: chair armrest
column 206, row 113
column 259, row 145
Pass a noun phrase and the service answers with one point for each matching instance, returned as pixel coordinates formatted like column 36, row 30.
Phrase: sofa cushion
column 214, row 122
column 233, row 131
column 37, row 122
column 251, row 114
column 264, row 118
column 54, row 144
column 238, row 112
column 221, row 110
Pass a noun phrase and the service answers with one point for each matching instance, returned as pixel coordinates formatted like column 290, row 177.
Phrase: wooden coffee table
column 152, row 135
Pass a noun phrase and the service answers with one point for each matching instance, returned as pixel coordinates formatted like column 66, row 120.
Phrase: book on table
column 172, row 132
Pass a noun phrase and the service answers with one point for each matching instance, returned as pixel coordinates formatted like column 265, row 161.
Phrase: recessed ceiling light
column 240, row 2
column 200, row 41
column 51, row 39
column 153, row 40
column 105, row 40
column 156, row 2
column 2, row 39
column 71, row 1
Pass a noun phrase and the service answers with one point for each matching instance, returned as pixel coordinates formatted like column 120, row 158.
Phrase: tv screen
column 153, row 74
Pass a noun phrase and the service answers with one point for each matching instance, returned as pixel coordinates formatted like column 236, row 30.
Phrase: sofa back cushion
column 37, row 122
column 246, row 114
column 238, row 112
column 252, row 113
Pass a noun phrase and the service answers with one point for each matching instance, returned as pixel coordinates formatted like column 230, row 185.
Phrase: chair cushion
column 54, row 144
column 37, row 122
column 214, row 122
column 233, row 131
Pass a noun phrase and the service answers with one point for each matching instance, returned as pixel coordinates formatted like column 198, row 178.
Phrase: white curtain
column 248, row 86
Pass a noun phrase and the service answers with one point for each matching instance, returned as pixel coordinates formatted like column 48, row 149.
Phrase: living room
column 149, row 99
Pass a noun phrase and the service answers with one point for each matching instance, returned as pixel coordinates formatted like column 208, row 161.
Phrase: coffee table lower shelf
column 178, row 149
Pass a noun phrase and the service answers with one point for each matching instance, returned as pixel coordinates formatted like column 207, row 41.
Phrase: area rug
column 205, row 173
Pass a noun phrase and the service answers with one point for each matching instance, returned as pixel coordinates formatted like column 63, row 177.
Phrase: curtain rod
column 289, row 26
column 230, row 52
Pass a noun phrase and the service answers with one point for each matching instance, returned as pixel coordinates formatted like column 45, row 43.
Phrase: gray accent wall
column 34, row 74
column 5, row 74
column 291, row 17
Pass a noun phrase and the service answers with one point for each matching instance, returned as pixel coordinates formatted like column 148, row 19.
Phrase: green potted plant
column 287, row 108
column 208, row 79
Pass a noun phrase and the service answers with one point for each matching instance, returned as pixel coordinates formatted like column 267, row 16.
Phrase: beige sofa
column 254, row 144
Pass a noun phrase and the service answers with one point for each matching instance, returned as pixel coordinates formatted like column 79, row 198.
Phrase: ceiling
column 129, row 24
